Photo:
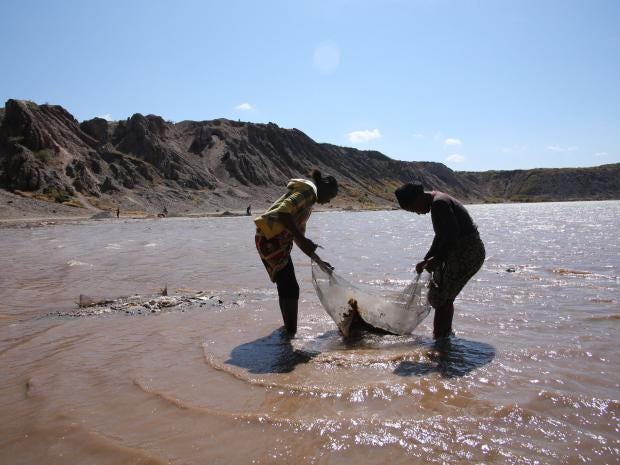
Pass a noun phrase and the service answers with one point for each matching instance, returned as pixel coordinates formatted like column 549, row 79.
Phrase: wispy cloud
column 456, row 158
column 559, row 148
column 326, row 58
column 245, row 107
column 418, row 136
column 107, row 117
column 452, row 142
column 363, row 136
column 601, row 154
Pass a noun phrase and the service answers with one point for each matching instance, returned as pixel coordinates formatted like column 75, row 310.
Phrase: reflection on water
column 531, row 376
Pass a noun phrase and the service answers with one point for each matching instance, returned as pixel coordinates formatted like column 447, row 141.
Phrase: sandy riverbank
column 22, row 211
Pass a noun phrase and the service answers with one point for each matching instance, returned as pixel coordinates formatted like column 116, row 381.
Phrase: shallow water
column 532, row 376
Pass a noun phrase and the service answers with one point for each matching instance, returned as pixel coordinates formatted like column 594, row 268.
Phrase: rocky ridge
column 145, row 163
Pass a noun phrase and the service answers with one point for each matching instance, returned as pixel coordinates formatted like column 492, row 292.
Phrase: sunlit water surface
column 532, row 375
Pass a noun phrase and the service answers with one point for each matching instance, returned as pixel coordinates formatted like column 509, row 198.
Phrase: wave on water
column 69, row 441
column 306, row 423
column 533, row 271
column 15, row 343
column 609, row 407
column 567, row 272
column 72, row 263
column 539, row 353
column 598, row 300
column 242, row 375
column 258, row 417
column 585, row 274
column 417, row 433
column 611, row 316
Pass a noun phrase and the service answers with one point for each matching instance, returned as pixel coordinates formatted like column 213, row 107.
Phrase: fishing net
column 347, row 304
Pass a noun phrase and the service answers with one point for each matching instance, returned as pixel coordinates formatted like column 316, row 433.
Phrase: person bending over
column 456, row 254
column 281, row 225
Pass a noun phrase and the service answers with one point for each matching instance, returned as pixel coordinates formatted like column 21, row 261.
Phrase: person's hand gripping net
column 325, row 266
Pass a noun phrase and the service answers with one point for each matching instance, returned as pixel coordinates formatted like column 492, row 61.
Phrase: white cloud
column 452, row 142
column 456, row 158
column 326, row 57
column 419, row 136
column 364, row 136
column 245, row 107
column 601, row 154
column 107, row 117
column 559, row 148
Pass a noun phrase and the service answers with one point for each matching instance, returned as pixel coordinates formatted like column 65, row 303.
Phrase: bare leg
column 288, row 307
column 442, row 322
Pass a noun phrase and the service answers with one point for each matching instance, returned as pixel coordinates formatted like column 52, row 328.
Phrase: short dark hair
column 407, row 193
column 324, row 181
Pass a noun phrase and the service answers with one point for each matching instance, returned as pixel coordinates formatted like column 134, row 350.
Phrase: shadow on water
column 451, row 357
column 270, row 354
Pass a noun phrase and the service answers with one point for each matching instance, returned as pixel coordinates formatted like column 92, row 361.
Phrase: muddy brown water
column 532, row 375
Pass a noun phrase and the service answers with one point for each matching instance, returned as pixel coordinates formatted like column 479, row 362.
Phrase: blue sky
column 476, row 85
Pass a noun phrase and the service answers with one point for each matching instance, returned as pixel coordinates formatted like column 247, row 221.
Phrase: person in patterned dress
column 283, row 224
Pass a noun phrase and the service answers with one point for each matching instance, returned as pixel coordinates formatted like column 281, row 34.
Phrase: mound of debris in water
column 142, row 305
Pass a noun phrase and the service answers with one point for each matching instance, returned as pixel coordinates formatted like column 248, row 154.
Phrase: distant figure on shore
column 281, row 225
column 456, row 254
column 248, row 211
column 118, row 212
column 163, row 213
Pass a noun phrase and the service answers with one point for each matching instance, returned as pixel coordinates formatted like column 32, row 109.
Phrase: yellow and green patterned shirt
column 298, row 201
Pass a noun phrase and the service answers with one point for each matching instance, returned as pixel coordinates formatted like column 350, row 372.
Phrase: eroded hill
column 145, row 163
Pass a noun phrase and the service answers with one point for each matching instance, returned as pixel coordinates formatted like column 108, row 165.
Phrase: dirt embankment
column 58, row 166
